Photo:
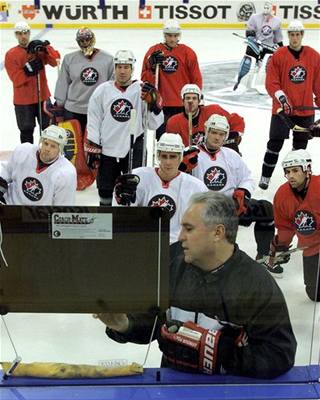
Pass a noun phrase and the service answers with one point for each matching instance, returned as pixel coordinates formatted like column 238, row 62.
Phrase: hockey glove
column 93, row 154
column 191, row 348
column 157, row 57
column 190, row 159
column 151, row 96
column 3, row 190
column 32, row 67
column 282, row 99
column 37, row 45
column 275, row 259
column 315, row 129
column 242, row 199
column 54, row 111
column 233, row 138
column 125, row 189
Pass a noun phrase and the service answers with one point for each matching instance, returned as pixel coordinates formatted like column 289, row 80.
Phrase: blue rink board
column 166, row 384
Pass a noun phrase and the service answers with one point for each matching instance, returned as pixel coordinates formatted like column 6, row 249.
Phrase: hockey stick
column 283, row 254
column 291, row 125
column 263, row 45
column 154, row 139
column 190, row 124
column 133, row 116
column 39, row 103
column 145, row 134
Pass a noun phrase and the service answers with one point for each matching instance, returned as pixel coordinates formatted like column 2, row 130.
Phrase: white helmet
column 21, row 26
column 297, row 158
column 217, row 122
column 56, row 134
column 124, row 57
column 191, row 88
column 171, row 142
column 267, row 8
column 171, row 26
column 295, row 26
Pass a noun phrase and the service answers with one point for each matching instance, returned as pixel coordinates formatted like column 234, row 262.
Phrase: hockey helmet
column 56, row 134
column 297, row 158
column 267, row 8
column 171, row 142
column 217, row 122
column 21, row 27
column 86, row 40
column 171, row 26
column 124, row 57
column 191, row 88
column 295, row 26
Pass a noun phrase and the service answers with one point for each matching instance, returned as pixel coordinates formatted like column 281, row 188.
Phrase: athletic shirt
column 223, row 171
column 174, row 195
column 79, row 76
column 54, row 185
column 109, row 117
column 267, row 28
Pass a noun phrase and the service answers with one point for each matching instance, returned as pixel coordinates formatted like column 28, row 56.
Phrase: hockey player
column 227, row 315
column 178, row 65
column 82, row 71
column 24, row 63
column 223, row 170
column 292, row 80
column 39, row 174
column 191, row 96
column 110, row 125
column 296, row 208
column 163, row 186
column 264, row 36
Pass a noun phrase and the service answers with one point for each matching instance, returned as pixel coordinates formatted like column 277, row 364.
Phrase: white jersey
column 27, row 185
column 109, row 117
column 152, row 191
column 223, row 171
column 267, row 28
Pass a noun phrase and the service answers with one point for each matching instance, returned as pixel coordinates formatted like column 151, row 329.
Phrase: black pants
column 277, row 134
column 260, row 212
column 111, row 167
column 311, row 276
column 167, row 112
column 82, row 118
column 26, row 116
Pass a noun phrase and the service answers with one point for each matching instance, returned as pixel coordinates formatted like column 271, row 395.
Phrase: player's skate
column 276, row 271
column 264, row 182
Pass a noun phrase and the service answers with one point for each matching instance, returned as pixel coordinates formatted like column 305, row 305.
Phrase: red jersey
column 25, row 87
column 294, row 215
column 179, row 123
column 298, row 78
column 179, row 68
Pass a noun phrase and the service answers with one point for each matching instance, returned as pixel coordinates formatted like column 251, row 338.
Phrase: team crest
column 29, row 11
column 215, row 178
column 170, row 64
column 120, row 110
column 245, row 10
column 266, row 30
column 32, row 188
column 162, row 200
column 197, row 138
column 297, row 74
column 305, row 222
column 89, row 76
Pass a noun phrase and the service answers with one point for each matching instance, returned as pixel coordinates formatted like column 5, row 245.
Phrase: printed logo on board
column 245, row 10
column 28, row 11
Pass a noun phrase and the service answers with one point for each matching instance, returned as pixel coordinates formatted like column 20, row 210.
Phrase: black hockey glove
column 190, row 159
column 275, row 257
column 37, row 45
column 189, row 347
column 55, row 112
column 157, row 57
column 151, row 96
column 92, row 153
column 125, row 189
column 32, row 67
column 284, row 102
column 315, row 128
column 3, row 190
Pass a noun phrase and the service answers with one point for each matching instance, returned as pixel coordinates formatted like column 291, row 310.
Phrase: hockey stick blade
column 283, row 254
column 291, row 125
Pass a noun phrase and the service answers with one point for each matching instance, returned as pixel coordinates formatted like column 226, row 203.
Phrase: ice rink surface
column 77, row 338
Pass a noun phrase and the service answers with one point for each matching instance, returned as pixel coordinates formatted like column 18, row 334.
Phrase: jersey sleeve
column 283, row 223
column 63, row 82
column 51, row 57
column 65, row 190
column 273, row 75
column 245, row 180
column 195, row 75
column 95, row 115
column 15, row 70
column 316, row 82
column 147, row 74
column 236, row 122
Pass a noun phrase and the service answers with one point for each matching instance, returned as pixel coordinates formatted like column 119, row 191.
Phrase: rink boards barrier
column 129, row 14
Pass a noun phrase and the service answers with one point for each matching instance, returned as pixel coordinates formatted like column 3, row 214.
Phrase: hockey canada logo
column 120, row 110
column 297, row 74
column 32, row 189
column 305, row 222
column 89, row 76
column 215, row 178
column 162, row 200
column 197, row 138
column 266, row 30
column 170, row 64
